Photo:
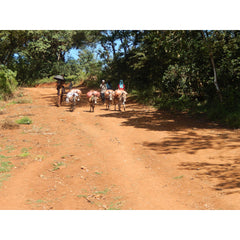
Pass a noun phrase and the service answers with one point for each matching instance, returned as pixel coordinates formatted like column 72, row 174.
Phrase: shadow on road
column 226, row 174
column 189, row 135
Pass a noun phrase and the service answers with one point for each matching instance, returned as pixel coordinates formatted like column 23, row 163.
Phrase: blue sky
column 73, row 52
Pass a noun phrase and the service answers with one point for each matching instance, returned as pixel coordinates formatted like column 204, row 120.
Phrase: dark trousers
column 103, row 97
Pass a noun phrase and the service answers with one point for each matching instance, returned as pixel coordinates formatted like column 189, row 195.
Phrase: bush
column 24, row 120
column 233, row 120
column 45, row 80
column 8, row 83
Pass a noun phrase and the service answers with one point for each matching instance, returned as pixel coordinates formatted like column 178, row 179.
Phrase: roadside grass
column 36, row 202
column 82, row 196
column 24, row 120
column 44, row 80
column 24, row 152
column 100, row 199
column 115, row 206
column 3, row 157
column 178, row 177
column 9, row 148
column 5, row 166
column 105, row 191
column 20, row 101
column 58, row 165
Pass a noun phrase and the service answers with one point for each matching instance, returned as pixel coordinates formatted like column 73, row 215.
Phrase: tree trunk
column 213, row 65
column 215, row 77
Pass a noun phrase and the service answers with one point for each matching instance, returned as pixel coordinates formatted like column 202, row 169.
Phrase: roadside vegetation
column 197, row 72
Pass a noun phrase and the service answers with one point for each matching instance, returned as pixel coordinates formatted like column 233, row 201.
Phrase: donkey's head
column 94, row 99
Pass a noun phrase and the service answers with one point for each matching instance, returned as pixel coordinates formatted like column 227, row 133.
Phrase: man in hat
column 103, row 88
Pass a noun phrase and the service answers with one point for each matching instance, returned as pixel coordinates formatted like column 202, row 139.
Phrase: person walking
column 60, row 88
column 103, row 88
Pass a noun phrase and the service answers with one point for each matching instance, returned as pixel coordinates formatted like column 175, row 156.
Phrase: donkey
column 73, row 96
column 109, row 95
column 92, row 102
column 120, row 98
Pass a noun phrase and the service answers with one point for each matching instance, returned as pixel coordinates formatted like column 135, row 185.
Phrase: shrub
column 233, row 120
column 24, row 120
column 45, row 80
column 92, row 84
column 8, row 83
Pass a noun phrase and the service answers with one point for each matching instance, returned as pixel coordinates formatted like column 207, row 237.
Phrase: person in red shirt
column 121, row 85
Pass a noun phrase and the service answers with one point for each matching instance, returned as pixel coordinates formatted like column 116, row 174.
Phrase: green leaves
column 8, row 81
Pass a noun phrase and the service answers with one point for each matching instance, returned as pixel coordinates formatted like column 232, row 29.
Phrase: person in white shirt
column 103, row 88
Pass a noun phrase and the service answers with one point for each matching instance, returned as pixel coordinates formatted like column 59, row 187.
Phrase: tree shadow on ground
column 189, row 135
column 226, row 174
column 139, row 117
column 190, row 142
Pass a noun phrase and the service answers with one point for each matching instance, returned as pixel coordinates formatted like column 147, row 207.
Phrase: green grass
column 178, row 177
column 105, row 191
column 115, row 206
column 3, row 157
column 80, row 196
column 45, row 80
column 24, row 120
column 5, row 166
column 57, row 165
column 24, row 152
column 35, row 201
column 20, row 101
column 9, row 148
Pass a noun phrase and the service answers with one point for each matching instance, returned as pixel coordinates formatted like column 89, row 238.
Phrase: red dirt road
column 138, row 159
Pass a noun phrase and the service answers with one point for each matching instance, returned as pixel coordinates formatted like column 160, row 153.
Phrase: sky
column 73, row 53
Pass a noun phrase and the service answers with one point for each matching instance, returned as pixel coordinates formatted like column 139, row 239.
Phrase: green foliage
column 94, row 84
column 8, row 83
column 233, row 120
column 24, row 120
column 45, row 80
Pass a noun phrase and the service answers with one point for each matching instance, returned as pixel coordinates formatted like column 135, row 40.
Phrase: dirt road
column 138, row 159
